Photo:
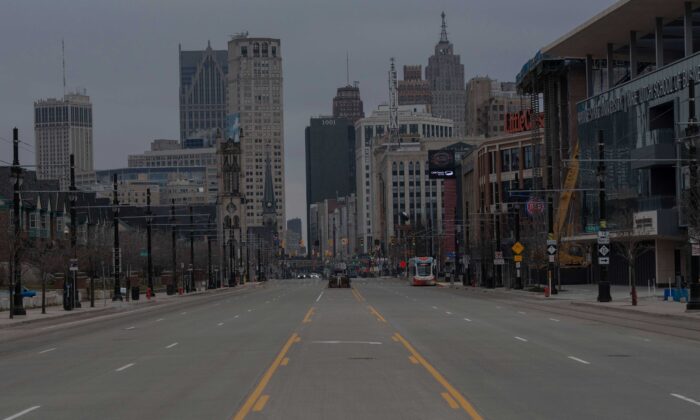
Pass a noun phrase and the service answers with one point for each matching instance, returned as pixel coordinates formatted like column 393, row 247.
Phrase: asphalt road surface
column 293, row 349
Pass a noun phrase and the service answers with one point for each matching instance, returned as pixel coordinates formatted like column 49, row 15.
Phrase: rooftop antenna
column 443, row 33
column 347, row 68
column 63, row 62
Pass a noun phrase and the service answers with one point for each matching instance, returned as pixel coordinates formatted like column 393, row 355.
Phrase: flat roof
column 613, row 25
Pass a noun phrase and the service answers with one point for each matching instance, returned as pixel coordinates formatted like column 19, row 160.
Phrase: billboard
column 441, row 164
column 233, row 127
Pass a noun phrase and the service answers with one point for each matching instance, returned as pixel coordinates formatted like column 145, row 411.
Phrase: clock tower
column 230, row 210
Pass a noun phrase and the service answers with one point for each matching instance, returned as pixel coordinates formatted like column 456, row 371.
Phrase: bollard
column 546, row 291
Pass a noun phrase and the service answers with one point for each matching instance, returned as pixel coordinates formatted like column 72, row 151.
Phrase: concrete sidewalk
column 649, row 302
column 56, row 312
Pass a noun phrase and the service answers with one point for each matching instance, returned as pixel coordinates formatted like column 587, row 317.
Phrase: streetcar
column 422, row 271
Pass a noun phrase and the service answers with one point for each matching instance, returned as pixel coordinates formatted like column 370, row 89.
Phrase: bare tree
column 628, row 240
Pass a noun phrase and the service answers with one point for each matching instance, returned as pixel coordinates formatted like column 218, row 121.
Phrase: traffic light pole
column 117, row 296
column 190, row 284
column 148, row 234
column 173, row 285
column 603, row 283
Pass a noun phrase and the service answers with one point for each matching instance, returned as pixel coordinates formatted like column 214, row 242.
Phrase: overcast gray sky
column 124, row 52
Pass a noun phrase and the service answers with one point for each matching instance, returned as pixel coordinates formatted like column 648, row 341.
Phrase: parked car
column 27, row 293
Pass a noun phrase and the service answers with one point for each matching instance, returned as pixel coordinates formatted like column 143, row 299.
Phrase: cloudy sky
column 125, row 54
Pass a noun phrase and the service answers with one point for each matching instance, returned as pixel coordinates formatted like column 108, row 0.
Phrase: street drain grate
column 619, row 355
column 361, row 358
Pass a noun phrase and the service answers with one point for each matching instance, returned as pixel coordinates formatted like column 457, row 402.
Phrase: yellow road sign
column 518, row 248
column 518, row 258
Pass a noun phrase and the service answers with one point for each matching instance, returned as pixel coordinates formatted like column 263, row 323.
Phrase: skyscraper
column 61, row 127
column 255, row 95
column 347, row 103
column 203, row 86
column 446, row 77
column 413, row 90
column 330, row 159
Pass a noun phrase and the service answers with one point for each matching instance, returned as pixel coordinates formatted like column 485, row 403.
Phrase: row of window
column 260, row 50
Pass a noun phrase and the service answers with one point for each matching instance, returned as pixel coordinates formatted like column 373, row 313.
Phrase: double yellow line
column 256, row 401
column 308, row 316
column 357, row 295
column 453, row 397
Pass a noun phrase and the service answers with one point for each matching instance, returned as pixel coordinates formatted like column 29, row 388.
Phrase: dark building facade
column 203, row 86
column 348, row 104
column 330, row 159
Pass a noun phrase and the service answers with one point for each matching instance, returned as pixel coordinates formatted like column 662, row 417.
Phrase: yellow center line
column 261, row 403
column 285, row 361
column 450, row 401
column 257, row 392
column 307, row 318
column 412, row 359
column 358, row 295
column 441, row 380
column 376, row 313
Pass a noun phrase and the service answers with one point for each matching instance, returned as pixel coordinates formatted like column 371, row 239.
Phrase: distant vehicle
column 27, row 293
column 301, row 276
column 422, row 271
column 339, row 278
column 314, row 276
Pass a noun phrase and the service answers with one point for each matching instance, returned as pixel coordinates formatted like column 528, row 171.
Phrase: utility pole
column 693, row 202
column 116, row 251
column 603, row 283
column 173, row 283
column 518, row 277
column 149, row 220
column 210, row 283
column 16, row 304
column 550, row 226
column 191, row 285
column 73, row 198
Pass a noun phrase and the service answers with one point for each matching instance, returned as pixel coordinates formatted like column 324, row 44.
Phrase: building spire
column 443, row 33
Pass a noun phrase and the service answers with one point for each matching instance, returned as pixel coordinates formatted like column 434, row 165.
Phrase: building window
column 244, row 51
column 274, row 51
column 264, row 49
column 256, row 50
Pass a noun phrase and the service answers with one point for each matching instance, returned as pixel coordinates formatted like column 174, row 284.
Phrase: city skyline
column 111, row 74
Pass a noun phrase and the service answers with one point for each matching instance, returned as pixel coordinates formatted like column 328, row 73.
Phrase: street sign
column 73, row 264
column 552, row 250
column 517, row 258
column 603, row 250
column 604, row 260
column 603, row 237
column 498, row 255
column 551, row 258
column 535, row 206
column 498, row 261
column 518, row 248
column 517, row 265
column 695, row 250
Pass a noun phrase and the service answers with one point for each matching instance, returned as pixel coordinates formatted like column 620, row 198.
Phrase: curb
column 69, row 316
column 636, row 311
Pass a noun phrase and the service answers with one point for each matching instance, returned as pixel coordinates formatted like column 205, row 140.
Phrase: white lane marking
column 220, row 324
column 183, row 313
column 498, row 307
column 319, row 297
column 130, row 328
column 21, row 413
column 169, row 346
column 124, row 367
column 250, row 310
column 236, row 316
column 159, row 319
column 346, row 342
column 448, row 313
column 554, row 319
column 579, row 360
column 47, row 350
column 521, row 339
column 435, row 307
column 521, row 312
column 467, row 319
column 684, row 398
column 267, row 301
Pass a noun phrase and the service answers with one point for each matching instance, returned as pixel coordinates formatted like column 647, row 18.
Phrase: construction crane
column 569, row 254
column 393, row 103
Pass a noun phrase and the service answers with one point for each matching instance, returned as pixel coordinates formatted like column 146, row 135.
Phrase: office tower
column 347, row 103
column 255, row 96
column 61, row 127
column 446, row 77
column 413, row 90
column 203, row 86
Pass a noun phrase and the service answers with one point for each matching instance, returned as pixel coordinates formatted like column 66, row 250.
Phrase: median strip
column 456, row 395
column 257, row 392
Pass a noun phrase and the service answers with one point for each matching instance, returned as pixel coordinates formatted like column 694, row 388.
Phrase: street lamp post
column 191, row 285
column 173, row 286
column 73, row 198
column 149, row 220
column 117, row 251
column 17, row 306
column 603, row 283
